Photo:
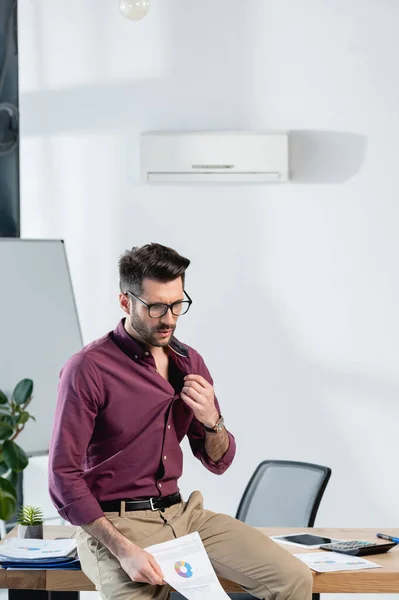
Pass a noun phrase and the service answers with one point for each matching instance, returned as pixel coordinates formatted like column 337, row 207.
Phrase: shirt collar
column 127, row 343
column 136, row 349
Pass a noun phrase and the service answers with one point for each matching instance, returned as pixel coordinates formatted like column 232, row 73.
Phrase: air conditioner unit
column 229, row 157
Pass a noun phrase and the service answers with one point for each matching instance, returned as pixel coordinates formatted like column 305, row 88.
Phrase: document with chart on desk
column 325, row 562
column 31, row 549
column 186, row 567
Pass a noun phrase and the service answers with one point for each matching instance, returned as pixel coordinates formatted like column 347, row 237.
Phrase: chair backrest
column 283, row 493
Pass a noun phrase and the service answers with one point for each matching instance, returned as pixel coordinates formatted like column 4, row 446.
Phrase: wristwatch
column 218, row 426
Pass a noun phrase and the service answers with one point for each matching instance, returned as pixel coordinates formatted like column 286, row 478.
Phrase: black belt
column 155, row 503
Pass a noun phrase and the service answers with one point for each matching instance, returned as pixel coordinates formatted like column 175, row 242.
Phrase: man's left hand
column 198, row 394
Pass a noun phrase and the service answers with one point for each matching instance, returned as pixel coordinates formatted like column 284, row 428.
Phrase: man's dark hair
column 152, row 261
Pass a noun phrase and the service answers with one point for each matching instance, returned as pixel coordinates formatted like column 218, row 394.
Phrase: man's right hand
column 137, row 563
column 142, row 567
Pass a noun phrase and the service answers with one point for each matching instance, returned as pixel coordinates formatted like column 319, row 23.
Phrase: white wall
column 295, row 287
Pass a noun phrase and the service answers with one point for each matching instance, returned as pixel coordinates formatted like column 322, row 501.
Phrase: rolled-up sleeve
column 196, row 433
column 78, row 402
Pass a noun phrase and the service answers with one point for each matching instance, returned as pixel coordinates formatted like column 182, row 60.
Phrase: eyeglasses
column 157, row 310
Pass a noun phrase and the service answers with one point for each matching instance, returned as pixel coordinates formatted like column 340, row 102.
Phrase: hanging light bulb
column 134, row 9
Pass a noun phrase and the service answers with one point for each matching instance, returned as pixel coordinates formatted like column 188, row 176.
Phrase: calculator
column 358, row 547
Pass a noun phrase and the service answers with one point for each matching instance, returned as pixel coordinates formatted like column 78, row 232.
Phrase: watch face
column 220, row 425
column 217, row 427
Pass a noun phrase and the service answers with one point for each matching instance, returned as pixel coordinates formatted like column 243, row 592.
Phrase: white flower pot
column 30, row 531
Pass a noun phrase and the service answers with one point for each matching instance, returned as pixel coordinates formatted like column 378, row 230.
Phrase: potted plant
column 30, row 522
column 13, row 418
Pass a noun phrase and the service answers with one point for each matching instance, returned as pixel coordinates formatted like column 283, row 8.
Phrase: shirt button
column 160, row 485
column 165, row 457
column 146, row 353
column 135, row 356
column 168, row 426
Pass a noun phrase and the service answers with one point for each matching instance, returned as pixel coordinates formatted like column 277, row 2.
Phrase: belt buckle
column 152, row 504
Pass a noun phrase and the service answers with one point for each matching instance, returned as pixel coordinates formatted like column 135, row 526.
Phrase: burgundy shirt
column 118, row 426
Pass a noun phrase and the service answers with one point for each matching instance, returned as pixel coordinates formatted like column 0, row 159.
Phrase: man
column 125, row 403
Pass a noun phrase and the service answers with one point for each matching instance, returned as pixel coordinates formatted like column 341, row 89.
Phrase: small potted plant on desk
column 30, row 522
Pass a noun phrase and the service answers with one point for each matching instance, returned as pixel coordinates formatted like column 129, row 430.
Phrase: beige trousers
column 237, row 552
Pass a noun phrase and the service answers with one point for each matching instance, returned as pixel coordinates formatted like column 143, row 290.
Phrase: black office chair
column 282, row 493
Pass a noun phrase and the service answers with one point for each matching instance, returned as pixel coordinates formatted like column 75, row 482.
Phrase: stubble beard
column 148, row 334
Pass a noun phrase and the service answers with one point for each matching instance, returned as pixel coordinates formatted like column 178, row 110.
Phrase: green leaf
column 3, row 468
column 7, row 488
column 14, row 456
column 10, row 419
column 23, row 417
column 6, row 430
column 8, row 499
column 3, row 398
column 23, row 391
column 7, row 506
column 30, row 515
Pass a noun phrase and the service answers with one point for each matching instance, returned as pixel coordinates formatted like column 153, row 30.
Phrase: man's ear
column 124, row 303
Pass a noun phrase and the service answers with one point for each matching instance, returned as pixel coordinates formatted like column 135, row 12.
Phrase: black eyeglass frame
column 167, row 306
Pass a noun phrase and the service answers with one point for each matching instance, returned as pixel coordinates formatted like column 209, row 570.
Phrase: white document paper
column 30, row 549
column 186, row 567
column 324, row 562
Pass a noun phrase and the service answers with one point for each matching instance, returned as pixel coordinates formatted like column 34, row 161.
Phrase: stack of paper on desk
column 31, row 554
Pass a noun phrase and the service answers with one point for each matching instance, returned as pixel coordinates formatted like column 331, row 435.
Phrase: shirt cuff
column 225, row 461
column 82, row 511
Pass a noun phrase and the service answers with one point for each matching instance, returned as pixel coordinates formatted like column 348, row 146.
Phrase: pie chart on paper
column 183, row 569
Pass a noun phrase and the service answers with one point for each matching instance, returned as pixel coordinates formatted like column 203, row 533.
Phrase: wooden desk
column 65, row 585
